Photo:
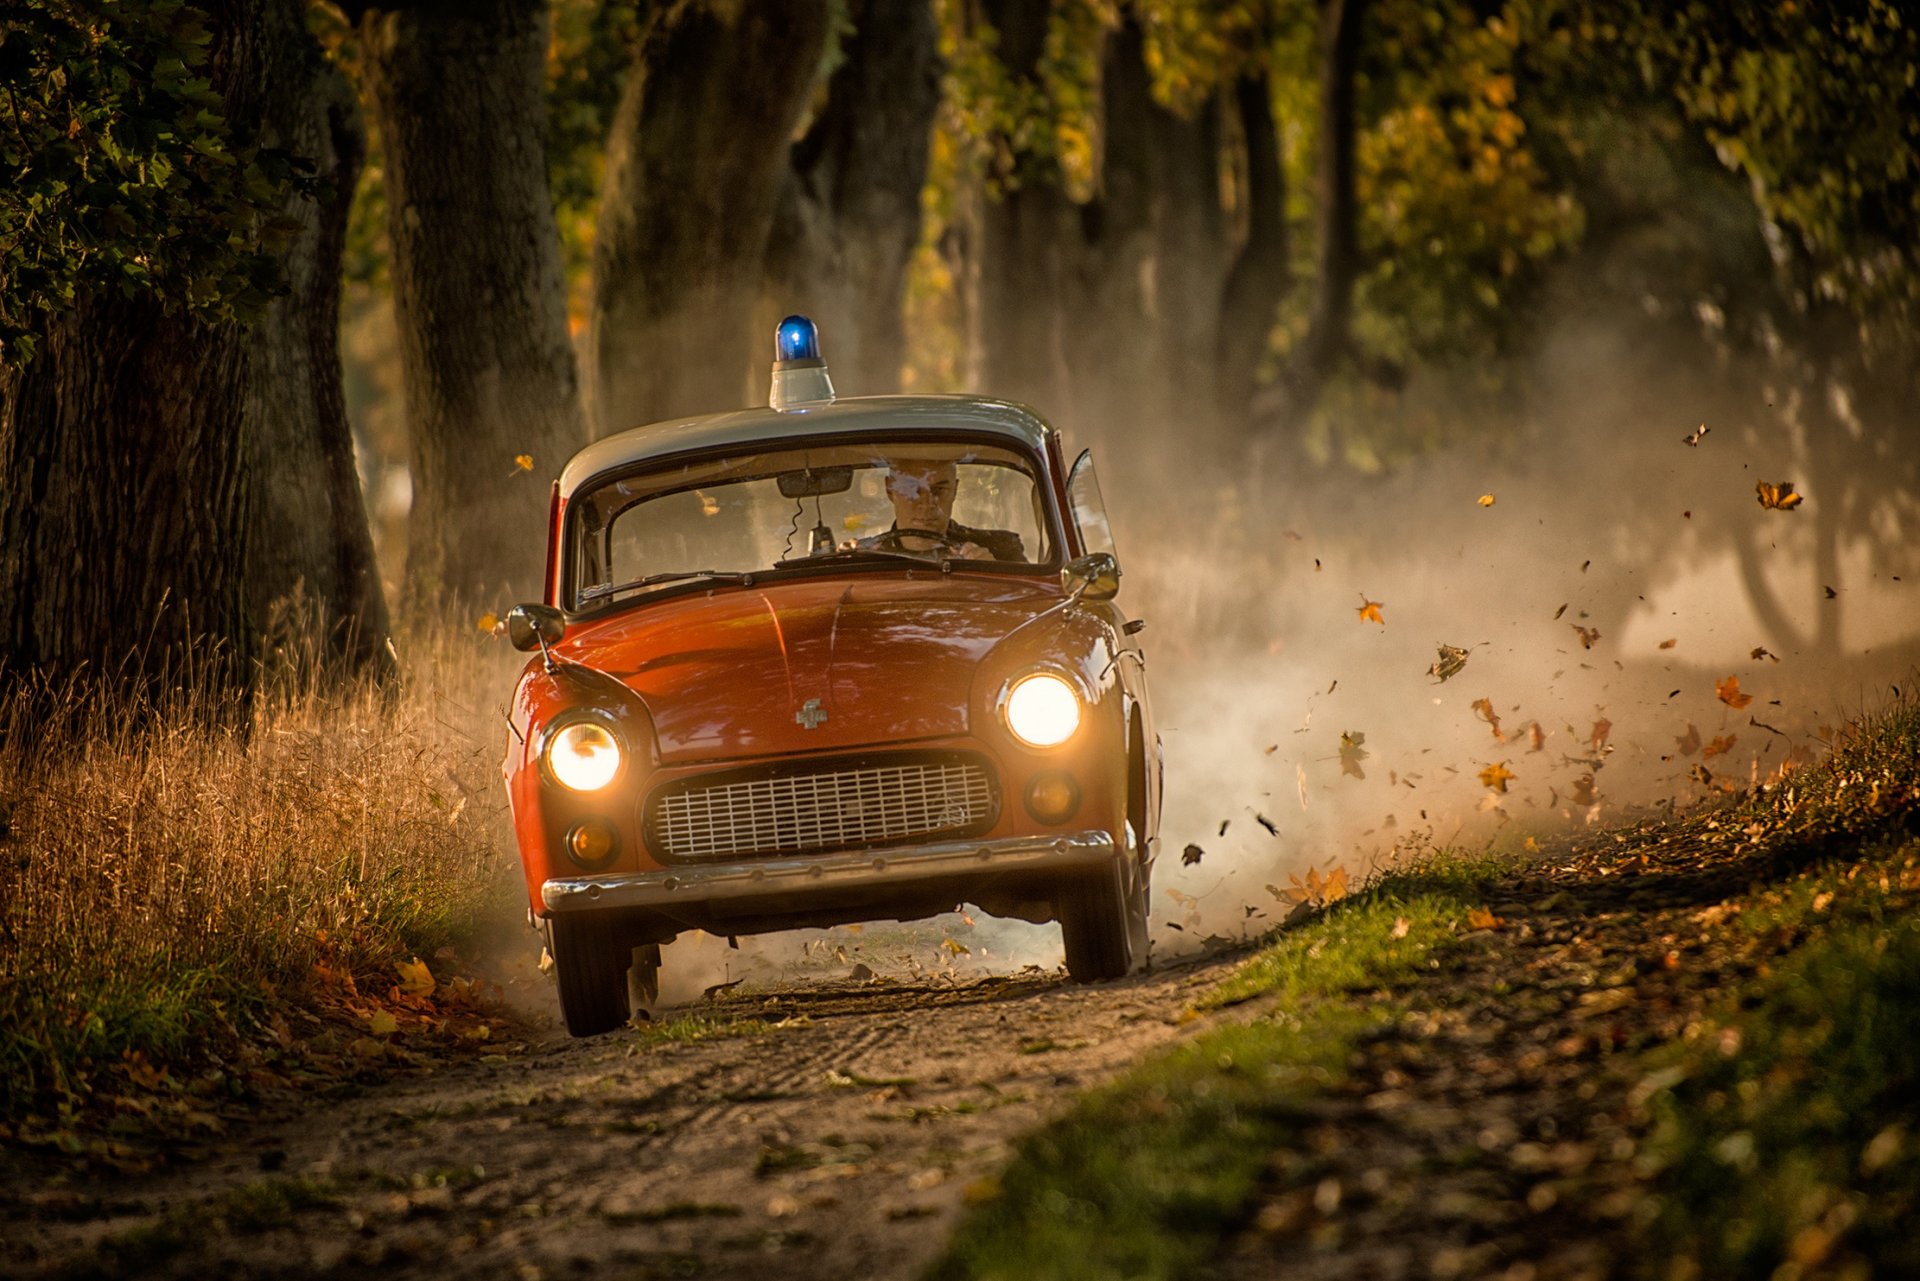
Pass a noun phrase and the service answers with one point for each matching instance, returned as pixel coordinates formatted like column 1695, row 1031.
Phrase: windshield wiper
column 842, row 553
column 601, row 590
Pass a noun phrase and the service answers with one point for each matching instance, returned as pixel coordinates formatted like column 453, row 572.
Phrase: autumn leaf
column 955, row 947
column 1718, row 746
column 488, row 622
column 1400, row 927
column 1486, row 500
column 854, row 523
column 1536, row 736
column 415, row 978
column 1352, row 753
column 1479, row 918
column 382, row 1023
column 1191, row 855
column 1670, row 642
column 1695, row 436
column 1584, row 792
column 1701, row 775
column 1495, row 776
column 1778, row 497
column 1558, row 612
column 1729, row 693
column 1598, row 737
column 523, row 462
column 1483, row 708
column 1588, row 635
column 1761, row 651
column 1334, row 888
column 1369, row 611
column 1452, row 659
column 1689, row 742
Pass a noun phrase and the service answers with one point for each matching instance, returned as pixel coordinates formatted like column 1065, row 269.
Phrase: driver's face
column 922, row 494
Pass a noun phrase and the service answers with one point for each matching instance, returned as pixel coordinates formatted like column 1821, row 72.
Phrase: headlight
column 584, row 756
column 1042, row 710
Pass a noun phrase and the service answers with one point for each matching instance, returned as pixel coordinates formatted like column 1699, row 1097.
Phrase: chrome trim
column 859, row 869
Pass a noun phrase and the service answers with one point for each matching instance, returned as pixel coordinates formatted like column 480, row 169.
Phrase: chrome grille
column 855, row 805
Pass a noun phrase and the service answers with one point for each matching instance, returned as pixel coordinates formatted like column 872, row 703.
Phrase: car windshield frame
column 1036, row 461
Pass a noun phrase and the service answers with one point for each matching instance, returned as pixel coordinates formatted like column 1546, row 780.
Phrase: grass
column 168, row 882
column 1143, row 1177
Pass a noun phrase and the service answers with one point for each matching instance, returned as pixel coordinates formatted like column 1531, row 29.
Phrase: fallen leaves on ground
column 1480, row 918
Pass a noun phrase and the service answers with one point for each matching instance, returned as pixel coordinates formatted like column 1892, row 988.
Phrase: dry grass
column 162, row 887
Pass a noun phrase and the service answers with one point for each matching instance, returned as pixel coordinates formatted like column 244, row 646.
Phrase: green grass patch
column 1785, row 1130
column 251, row 1208
column 1143, row 1177
column 690, row 1028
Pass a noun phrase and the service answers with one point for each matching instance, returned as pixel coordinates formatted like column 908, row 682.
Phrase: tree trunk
column 124, row 479
column 696, row 161
column 1258, row 280
column 849, row 214
column 478, row 290
column 314, row 589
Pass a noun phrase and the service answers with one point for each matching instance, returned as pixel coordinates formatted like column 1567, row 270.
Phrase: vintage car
column 825, row 662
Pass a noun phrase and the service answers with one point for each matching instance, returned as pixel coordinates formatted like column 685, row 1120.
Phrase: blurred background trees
column 1294, row 241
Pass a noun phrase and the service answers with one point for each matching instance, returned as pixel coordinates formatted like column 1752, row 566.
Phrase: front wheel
column 1103, row 921
column 592, row 973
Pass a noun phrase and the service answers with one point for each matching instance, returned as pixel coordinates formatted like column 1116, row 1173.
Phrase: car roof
column 855, row 416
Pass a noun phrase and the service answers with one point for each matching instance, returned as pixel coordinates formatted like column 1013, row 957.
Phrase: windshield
column 874, row 502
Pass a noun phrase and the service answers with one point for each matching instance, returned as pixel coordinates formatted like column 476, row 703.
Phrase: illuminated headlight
column 583, row 756
column 1042, row 710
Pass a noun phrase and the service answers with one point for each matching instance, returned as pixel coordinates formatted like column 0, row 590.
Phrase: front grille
column 846, row 804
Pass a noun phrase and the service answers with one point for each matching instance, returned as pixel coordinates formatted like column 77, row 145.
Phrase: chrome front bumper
column 855, row 869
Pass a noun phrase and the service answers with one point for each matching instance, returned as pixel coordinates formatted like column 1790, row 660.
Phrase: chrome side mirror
column 1092, row 577
column 531, row 627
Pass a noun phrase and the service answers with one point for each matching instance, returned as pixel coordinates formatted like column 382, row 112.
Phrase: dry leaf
column 1729, row 693
column 1584, row 793
column 1351, row 754
column 1761, row 651
column 1778, row 497
column 1400, row 927
column 1486, row 500
column 382, row 1023
column 523, row 462
column 1695, row 436
column 1191, row 855
column 1670, row 642
column 1452, row 659
column 1334, row 887
column 1689, row 742
column 1369, row 611
column 1598, row 737
column 1483, row 708
column 1588, row 635
column 1558, row 612
column 955, row 946
column 1496, row 775
column 1479, row 918
column 1718, row 746
column 488, row 622
column 415, row 978
column 1536, row 736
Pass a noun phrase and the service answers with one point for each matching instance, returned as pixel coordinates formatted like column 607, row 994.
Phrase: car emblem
column 811, row 715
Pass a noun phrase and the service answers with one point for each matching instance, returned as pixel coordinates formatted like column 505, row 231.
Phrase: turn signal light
column 592, row 843
column 1053, row 797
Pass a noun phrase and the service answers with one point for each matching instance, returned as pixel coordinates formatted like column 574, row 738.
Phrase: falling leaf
column 1584, row 564
column 1191, row 855
column 1479, row 918
column 1583, row 790
column 1757, row 724
column 415, row 978
column 1272, row 828
column 1496, row 775
column 1695, row 436
column 1598, row 737
column 1334, row 887
column 854, row 522
column 1729, row 693
column 1369, row 611
column 523, row 462
column 1352, row 753
column 709, row 505
column 1223, row 825
column 1486, row 500
column 1316, row 564
column 1778, row 497
column 488, row 622
column 1588, row 635
column 1400, row 927
column 1300, row 778
column 1670, row 642
column 1831, row 594
column 1452, row 659
column 1689, row 742
column 1483, row 708
column 1536, row 736
column 1701, row 775
column 955, row 947
column 382, row 1023
column 1761, row 651
column 1717, row 747
column 1558, row 612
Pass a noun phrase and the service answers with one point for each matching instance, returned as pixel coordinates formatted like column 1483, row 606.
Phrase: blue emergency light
column 800, row 380
column 796, row 338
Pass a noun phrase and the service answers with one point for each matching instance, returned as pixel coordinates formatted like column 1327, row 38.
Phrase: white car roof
column 855, row 416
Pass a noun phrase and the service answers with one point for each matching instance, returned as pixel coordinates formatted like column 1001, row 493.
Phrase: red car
column 825, row 662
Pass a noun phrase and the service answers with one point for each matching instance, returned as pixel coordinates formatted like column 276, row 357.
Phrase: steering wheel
column 890, row 541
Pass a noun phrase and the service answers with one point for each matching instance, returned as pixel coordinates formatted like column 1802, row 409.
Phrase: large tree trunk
column 849, row 215
column 124, row 477
column 696, row 161
column 478, row 289
column 1258, row 280
column 314, row 590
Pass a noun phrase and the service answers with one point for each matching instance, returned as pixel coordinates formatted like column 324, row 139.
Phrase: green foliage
column 122, row 172
column 593, row 43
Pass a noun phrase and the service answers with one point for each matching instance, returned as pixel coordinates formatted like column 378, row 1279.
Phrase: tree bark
column 1258, row 280
column 314, row 589
column 696, row 161
column 124, row 482
column 478, row 290
column 849, row 213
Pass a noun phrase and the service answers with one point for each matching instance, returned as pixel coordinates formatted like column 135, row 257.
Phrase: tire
column 592, row 974
column 643, row 977
column 1097, row 923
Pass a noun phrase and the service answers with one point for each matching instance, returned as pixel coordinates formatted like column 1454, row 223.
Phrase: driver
column 922, row 492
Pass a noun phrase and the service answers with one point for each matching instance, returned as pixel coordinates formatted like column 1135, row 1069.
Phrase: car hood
column 735, row 672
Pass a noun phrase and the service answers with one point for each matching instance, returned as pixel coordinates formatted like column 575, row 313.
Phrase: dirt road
column 828, row 1128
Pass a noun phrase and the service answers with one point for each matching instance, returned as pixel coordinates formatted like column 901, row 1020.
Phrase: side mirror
column 1091, row 577
column 531, row 627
